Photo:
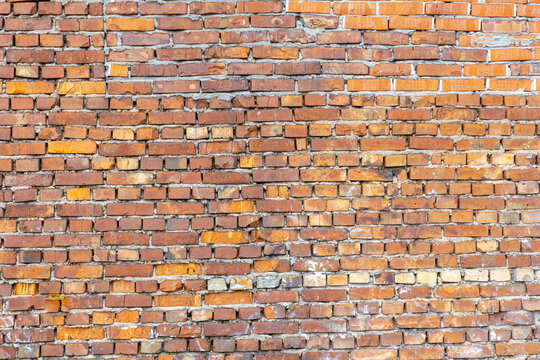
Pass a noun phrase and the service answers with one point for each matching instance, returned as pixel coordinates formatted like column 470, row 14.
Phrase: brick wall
column 269, row 180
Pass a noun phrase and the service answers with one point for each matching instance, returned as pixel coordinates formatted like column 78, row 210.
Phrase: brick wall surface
column 269, row 180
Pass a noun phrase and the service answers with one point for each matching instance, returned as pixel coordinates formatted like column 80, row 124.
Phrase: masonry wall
column 269, row 180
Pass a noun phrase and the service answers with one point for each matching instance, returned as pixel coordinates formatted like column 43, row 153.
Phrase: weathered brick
column 26, row 272
column 371, row 293
column 81, row 87
column 224, row 237
column 78, row 272
column 87, row 333
column 35, row 87
column 226, row 329
column 215, row 169
column 178, row 23
column 29, row 56
column 432, row 353
column 130, row 24
column 28, row 24
column 179, row 208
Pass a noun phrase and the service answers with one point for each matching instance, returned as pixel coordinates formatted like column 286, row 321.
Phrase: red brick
column 228, row 173
column 226, row 329
column 228, row 298
column 371, row 293
column 431, row 353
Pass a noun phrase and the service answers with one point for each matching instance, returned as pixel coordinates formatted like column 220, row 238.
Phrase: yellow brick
column 368, row 84
column 102, row 163
column 250, row 161
column 200, row 315
column 222, row 133
column 72, row 147
column 8, row 226
column 405, row 278
column 337, row 205
column 379, row 129
column 78, row 194
column 291, row 100
column 224, row 237
column 426, row 277
column 196, row 133
column 81, row 87
column 487, row 245
column 102, row 318
column 283, row 192
column 241, row 284
column 320, row 220
column 26, row 289
column 524, row 275
column 118, row 70
column 314, row 280
column 123, row 134
column 451, row 276
column 372, row 189
column 501, row 275
column 395, row 160
column 502, row 159
column 337, row 280
column 272, row 191
column 359, row 278
column 127, row 164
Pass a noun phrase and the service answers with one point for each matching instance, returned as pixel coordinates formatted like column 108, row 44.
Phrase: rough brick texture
column 269, row 180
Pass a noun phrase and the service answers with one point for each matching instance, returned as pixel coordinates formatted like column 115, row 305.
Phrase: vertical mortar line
column 106, row 53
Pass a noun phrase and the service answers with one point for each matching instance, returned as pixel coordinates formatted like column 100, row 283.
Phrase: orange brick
column 80, row 333
column 317, row 7
column 81, row 87
column 484, row 70
column 72, row 147
column 355, row 8
column 129, row 24
column 378, row 84
column 510, row 54
column 35, row 87
column 366, row 23
column 492, row 10
column 463, row 84
column 224, row 237
column 401, row 8
column 417, row 85
column 447, row 24
column 509, row 84
column 410, row 22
